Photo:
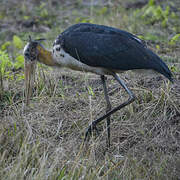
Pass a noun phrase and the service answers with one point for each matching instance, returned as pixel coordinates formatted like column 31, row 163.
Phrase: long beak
column 29, row 70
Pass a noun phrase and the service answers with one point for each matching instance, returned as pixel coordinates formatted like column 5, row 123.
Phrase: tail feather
column 160, row 66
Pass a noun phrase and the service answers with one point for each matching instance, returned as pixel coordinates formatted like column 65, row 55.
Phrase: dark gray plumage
column 111, row 48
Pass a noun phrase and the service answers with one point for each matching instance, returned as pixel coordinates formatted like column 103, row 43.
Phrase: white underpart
column 63, row 59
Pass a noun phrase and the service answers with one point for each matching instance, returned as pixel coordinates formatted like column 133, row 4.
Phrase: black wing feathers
column 111, row 48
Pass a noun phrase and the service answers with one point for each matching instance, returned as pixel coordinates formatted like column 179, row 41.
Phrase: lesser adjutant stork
column 98, row 49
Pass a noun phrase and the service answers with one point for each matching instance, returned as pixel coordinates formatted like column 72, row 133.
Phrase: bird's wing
column 113, row 51
column 111, row 48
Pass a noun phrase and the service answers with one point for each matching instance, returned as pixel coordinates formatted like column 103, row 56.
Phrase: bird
column 98, row 49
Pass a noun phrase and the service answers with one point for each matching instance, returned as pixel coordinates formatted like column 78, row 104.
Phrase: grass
column 45, row 140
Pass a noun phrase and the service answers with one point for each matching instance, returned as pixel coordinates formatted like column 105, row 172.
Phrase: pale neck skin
column 45, row 56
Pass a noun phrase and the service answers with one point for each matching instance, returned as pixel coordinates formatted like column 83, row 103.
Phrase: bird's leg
column 129, row 101
column 108, row 108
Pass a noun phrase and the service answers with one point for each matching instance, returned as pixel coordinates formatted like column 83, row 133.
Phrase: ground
column 45, row 139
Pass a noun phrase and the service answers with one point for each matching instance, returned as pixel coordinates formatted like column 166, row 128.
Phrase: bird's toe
column 89, row 130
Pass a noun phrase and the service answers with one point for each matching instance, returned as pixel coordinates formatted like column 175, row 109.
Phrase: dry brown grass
column 45, row 140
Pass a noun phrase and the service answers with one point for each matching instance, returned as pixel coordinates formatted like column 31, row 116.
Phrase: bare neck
column 45, row 56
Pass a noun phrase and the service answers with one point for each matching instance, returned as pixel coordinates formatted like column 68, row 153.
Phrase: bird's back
column 111, row 48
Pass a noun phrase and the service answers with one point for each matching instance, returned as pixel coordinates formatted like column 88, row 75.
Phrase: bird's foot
column 89, row 130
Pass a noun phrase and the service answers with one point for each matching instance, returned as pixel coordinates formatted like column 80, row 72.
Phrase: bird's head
column 33, row 49
column 32, row 53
